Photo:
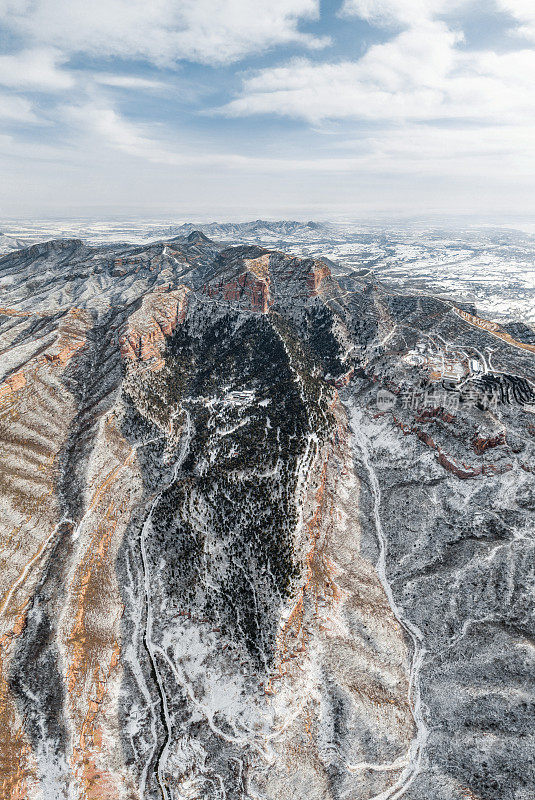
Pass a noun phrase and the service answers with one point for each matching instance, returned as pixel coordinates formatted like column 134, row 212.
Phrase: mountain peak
column 197, row 236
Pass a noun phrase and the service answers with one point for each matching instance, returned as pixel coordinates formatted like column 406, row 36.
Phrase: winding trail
column 418, row 743
column 147, row 636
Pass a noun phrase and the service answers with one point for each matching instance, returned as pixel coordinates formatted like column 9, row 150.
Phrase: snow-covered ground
column 493, row 268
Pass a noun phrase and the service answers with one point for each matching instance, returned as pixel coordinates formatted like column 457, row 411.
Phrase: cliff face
column 248, row 549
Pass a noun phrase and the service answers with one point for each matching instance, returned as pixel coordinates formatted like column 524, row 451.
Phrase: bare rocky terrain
column 267, row 530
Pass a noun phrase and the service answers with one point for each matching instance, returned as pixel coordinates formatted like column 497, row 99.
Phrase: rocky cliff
column 257, row 543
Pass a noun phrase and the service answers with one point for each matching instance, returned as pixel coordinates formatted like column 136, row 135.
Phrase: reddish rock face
column 71, row 338
column 343, row 380
column 463, row 472
column 245, row 281
column 256, row 282
column 315, row 278
column 466, row 471
column 461, row 469
column 481, row 443
column 434, row 413
column 246, row 288
column 11, row 385
column 144, row 337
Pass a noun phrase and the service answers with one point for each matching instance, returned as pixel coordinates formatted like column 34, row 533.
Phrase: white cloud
column 98, row 119
column 421, row 150
column 404, row 12
column 35, row 69
column 110, row 161
column 456, row 151
column 164, row 31
column 440, row 113
column 99, row 122
column 524, row 12
column 127, row 82
column 420, row 74
column 410, row 13
column 16, row 109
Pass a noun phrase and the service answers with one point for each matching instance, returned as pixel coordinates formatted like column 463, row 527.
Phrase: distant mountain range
column 241, row 230
column 9, row 243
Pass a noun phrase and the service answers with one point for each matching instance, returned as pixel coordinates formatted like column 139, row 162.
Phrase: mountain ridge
column 259, row 525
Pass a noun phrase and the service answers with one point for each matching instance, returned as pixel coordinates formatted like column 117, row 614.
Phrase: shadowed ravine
column 148, row 624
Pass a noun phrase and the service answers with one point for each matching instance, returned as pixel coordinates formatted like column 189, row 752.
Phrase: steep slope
column 264, row 536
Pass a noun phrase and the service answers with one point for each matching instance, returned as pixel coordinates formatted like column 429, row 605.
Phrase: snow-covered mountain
column 267, row 529
column 10, row 243
column 490, row 268
column 241, row 231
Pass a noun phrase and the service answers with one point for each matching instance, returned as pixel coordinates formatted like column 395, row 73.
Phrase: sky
column 238, row 109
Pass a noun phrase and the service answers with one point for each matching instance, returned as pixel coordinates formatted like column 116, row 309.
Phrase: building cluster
column 452, row 366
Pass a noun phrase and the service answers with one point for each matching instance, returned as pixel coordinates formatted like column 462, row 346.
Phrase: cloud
column 420, row 105
column 98, row 121
column 524, row 12
column 16, row 109
column 420, row 74
column 35, row 69
column 456, row 151
column 164, row 31
column 95, row 118
column 404, row 12
column 108, row 159
column 421, row 150
column 127, row 82
column 411, row 13
column 404, row 78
